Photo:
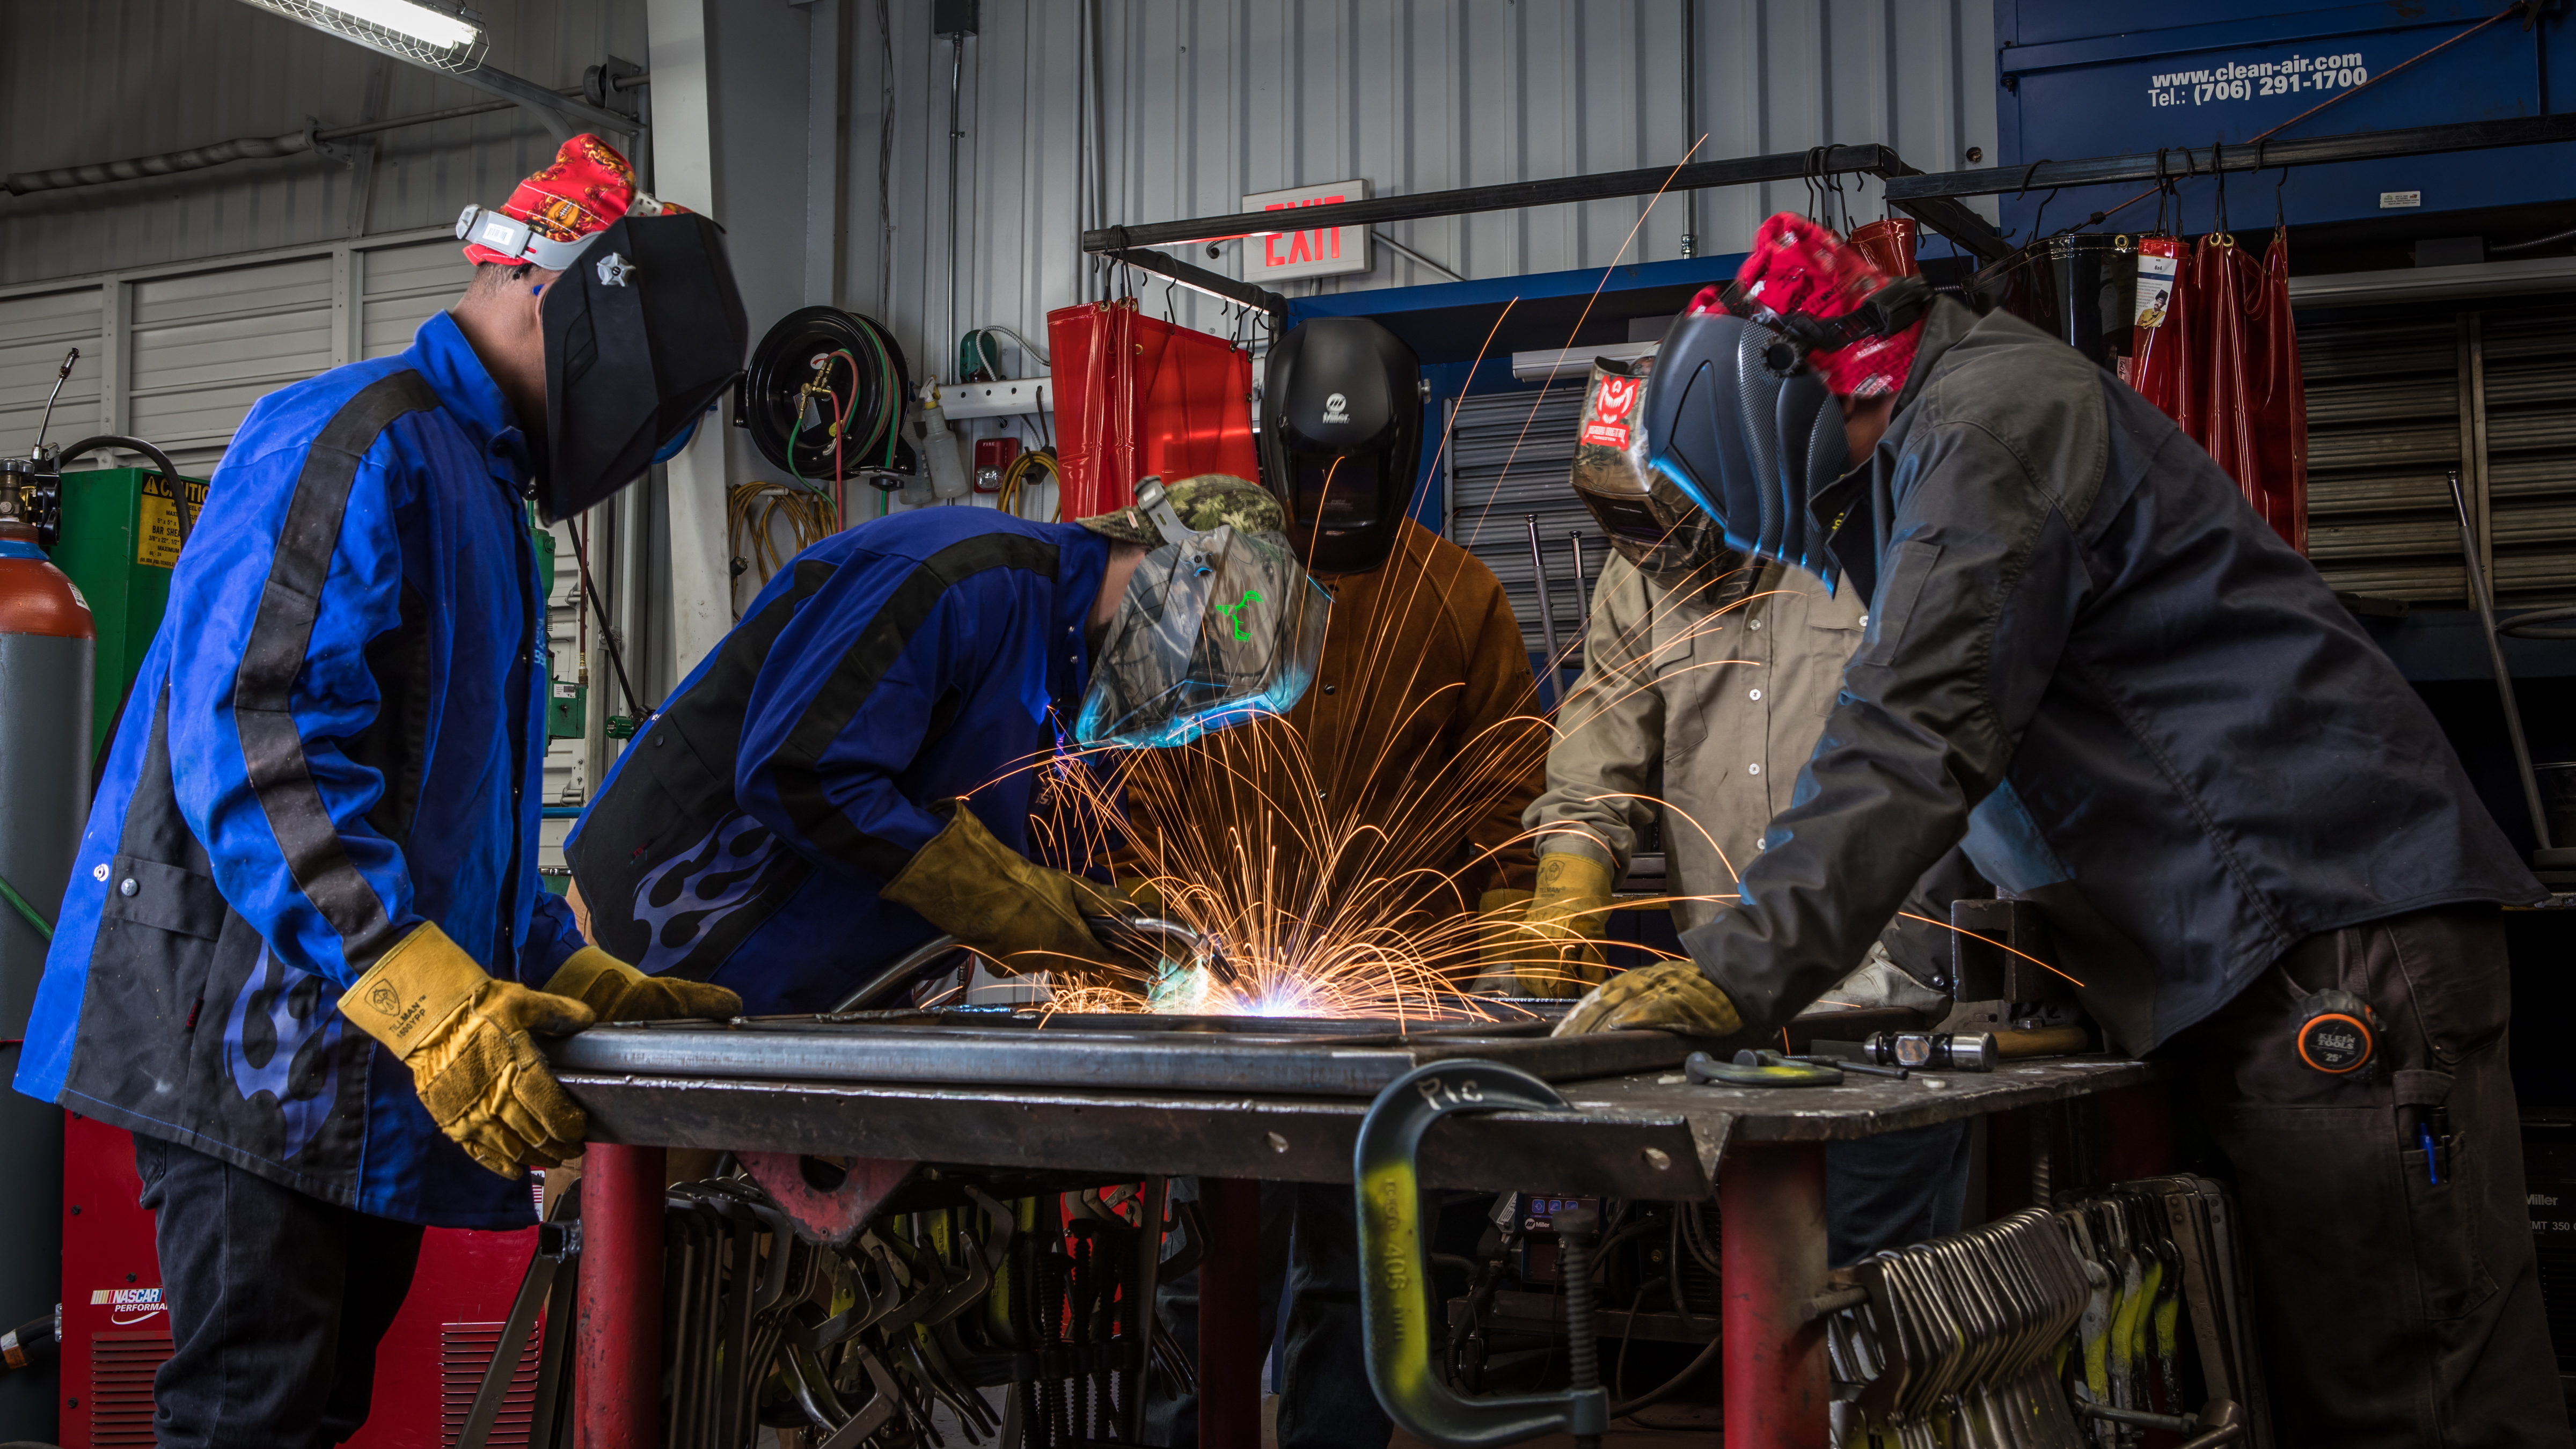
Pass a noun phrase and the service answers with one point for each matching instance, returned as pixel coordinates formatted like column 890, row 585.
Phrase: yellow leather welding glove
column 1566, row 922
column 1013, row 912
column 1144, row 898
column 1668, row 993
column 615, row 991
column 1500, row 941
column 466, row 1039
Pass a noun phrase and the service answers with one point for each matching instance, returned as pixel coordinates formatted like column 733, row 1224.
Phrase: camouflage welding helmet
column 1652, row 524
column 1220, row 623
column 1203, row 504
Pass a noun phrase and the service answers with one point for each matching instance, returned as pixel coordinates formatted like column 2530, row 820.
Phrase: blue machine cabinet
column 2190, row 72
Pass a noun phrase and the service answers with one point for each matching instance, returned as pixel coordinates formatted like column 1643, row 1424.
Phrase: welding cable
column 607, row 636
column 169, row 473
column 2536, row 243
column 33, row 1342
column 19, row 904
column 1015, row 480
column 752, row 511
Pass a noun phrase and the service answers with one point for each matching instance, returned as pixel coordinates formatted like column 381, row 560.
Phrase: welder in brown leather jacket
column 1390, row 796
column 2089, row 661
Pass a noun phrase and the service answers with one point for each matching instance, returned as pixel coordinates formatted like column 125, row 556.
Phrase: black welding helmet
column 644, row 332
column 1341, row 439
column 1741, row 441
column 1651, row 523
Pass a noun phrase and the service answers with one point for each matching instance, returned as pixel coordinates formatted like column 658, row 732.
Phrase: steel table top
column 1631, row 1133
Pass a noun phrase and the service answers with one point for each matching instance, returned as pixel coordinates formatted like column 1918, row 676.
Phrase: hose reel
column 824, row 398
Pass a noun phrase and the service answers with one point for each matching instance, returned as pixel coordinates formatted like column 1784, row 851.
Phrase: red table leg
column 618, row 1386
column 1771, row 1205
column 1230, row 1315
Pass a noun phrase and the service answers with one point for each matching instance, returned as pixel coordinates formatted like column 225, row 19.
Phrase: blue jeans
column 1310, row 1252
column 1893, row 1189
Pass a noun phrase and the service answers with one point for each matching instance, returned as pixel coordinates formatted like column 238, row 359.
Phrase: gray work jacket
column 2090, row 660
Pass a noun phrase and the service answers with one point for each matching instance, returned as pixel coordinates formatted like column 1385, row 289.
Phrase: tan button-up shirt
column 1697, row 709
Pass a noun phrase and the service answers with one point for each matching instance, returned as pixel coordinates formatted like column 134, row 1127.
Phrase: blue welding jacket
column 337, row 735
column 747, row 832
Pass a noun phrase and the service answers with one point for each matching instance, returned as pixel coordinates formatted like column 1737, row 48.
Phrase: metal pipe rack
column 1639, row 1131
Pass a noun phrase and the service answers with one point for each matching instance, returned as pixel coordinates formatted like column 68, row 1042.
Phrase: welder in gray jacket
column 2090, row 662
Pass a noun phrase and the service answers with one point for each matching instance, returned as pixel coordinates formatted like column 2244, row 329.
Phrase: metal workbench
column 1639, row 1133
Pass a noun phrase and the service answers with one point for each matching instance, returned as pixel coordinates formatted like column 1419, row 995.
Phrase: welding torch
column 1153, row 938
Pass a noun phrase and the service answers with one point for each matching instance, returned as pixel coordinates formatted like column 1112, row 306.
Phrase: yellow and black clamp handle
column 1760, row 1069
column 1396, row 1301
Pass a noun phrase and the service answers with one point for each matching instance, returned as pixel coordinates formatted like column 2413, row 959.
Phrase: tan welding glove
column 1500, row 942
column 1011, row 911
column 1668, row 993
column 466, row 1039
column 615, row 991
column 1565, row 925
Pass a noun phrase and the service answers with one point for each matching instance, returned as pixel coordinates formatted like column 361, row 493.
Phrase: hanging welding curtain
column 2280, row 396
column 1136, row 396
column 2215, row 347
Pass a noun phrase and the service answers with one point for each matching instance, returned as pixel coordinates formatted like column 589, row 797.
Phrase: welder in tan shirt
column 1707, row 678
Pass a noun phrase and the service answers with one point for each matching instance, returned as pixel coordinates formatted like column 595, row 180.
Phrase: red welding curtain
column 2223, row 361
column 1138, row 397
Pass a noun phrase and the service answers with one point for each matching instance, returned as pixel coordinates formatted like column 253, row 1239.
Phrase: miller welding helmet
column 1220, row 623
column 1744, row 443
column 644, row 332
column 1341, row 439
column 1650, row 522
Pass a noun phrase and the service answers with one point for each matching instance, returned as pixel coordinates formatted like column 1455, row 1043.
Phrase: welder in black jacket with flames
column 2088, row 661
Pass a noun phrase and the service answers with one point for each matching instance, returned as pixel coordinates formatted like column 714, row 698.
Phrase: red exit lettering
column 1303, row 246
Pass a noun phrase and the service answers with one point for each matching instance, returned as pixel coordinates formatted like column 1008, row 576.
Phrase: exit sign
column 1314, row 252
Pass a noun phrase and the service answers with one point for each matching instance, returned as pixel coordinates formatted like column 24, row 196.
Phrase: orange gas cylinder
column 48, row 648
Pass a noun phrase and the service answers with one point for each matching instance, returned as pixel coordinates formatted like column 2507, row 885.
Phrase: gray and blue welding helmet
column 1746, row 442
column 1220, row 624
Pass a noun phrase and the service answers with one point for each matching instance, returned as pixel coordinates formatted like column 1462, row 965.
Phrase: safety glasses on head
column 1216, row 628
column 1745, row 444
column 643, row 334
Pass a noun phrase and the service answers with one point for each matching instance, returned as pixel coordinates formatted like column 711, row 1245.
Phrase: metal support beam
column 1200, row 279
column 2186, row 161
column 618, row 1382
column 1771, row 1252
column 1951, row 220
column 561, row 115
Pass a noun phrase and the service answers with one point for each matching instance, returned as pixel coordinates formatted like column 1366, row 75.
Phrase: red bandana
column 586, row 188
column 1798, row 266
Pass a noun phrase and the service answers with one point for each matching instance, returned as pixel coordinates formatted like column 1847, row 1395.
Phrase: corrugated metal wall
column 99, row 80
column 1206, row 100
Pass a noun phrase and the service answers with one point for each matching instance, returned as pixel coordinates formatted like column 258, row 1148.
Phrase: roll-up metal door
column 1506, row 461
column 206, row 345
column 399, row 287
column 2395, row 405
column 35, row 332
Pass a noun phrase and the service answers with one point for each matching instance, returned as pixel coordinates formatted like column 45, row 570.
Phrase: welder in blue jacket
column 305, row 944
column 850, row 773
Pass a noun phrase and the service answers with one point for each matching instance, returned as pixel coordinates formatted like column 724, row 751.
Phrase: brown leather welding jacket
column 1415, row 752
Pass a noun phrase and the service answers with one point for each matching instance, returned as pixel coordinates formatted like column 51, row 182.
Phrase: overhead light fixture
column 426, row 33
